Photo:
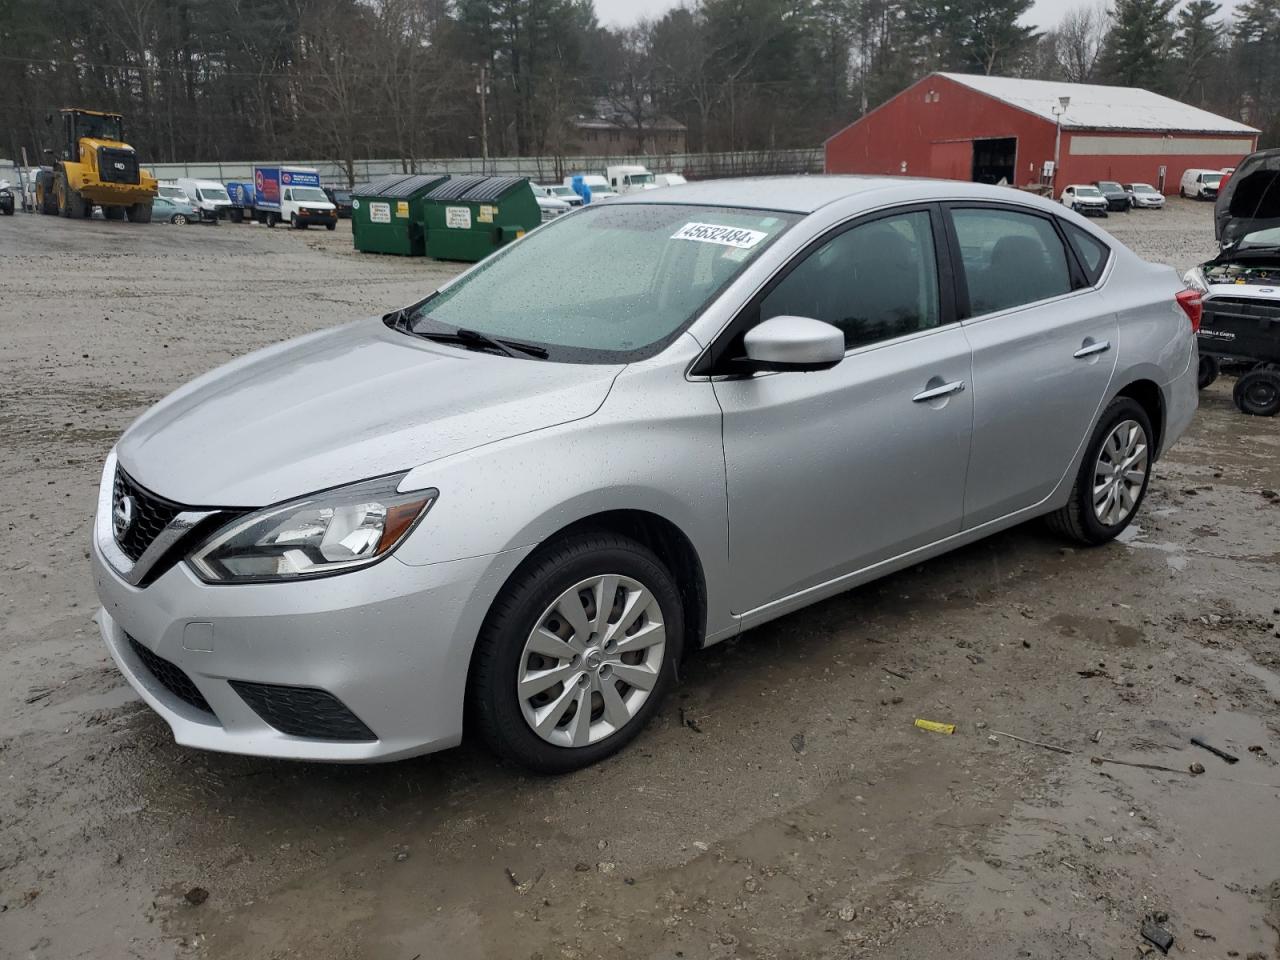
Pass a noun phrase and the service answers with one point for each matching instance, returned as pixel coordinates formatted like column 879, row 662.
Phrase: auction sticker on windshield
column 724, row 236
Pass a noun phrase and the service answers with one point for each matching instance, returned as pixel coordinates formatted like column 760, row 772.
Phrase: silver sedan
column 523, row 501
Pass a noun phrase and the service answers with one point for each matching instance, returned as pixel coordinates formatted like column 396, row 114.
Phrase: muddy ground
column 781, row 805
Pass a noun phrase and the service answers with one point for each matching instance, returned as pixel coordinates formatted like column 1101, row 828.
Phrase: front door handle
column 1091, row 347
column 933, row 393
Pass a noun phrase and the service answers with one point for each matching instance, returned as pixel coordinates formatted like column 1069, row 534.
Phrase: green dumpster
column 467, row 218
column 386, row 215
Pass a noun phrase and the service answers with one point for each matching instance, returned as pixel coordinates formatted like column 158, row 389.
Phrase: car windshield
column 1143, row 188
column 640, row 178
column 342, row 196
column 168, row 191
column 310, row 194
column 1260, row 238
column 1211, row 179
column 1108, row 185
column 677, row 258
column 563, row 191
column 1088, row 192
column 214, row 193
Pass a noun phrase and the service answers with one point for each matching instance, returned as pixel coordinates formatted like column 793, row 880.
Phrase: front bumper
column 1090, row 209
column 316, row 220
column 392, row 643
column 1118, row 205
column 1148, row 204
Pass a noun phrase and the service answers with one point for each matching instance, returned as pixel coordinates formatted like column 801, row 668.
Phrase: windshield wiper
column 474, row 338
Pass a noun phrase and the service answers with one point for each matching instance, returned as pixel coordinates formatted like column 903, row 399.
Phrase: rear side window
column 1091, row 251
column 1009, row 259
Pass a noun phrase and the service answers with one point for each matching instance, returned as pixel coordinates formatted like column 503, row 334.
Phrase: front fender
column 653, row 446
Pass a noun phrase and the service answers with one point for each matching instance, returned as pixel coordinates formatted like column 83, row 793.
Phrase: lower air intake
column 303, row 711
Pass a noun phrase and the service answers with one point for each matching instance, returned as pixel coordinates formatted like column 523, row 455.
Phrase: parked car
column 340, row 197
column 668, row 179
column 1085, row 199
column 1117, row 198
column 550, row 208
column 6, row 198
column 1200, row 184
column 174, row 210
column 593, row 478
column 558, row 191
column 1144, row 195
column 1241, row 286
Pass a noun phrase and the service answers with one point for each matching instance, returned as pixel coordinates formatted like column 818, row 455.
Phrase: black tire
column 331, row 226
column 272, row 219
column 1257, row 393
column 493, row 704
column 139, row 212
column 1209, row 370
column 1077, row 520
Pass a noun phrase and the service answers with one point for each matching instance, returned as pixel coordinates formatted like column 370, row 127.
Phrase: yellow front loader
column 95, row 168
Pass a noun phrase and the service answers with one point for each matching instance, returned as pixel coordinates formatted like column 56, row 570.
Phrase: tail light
column 1192, row 301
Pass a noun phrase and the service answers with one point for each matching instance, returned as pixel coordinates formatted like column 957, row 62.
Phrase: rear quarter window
column 1091, row 252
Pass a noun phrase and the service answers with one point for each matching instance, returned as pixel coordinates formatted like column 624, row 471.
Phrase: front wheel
column 295, row 222
column 180, row 219
column 1258, row 393
column 576, row 653
column 1113, row 476
column 1209, row 370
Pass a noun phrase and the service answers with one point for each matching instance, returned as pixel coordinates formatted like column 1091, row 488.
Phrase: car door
column 1044, row 348
column 833, row 471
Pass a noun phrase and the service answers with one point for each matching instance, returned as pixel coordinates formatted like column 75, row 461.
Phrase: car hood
column 343, row 405
column 1250, row 199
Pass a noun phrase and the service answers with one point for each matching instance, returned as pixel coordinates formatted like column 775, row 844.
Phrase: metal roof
column 408, row 186
column 475, row 188
column 1097, row 107
column 378, row 188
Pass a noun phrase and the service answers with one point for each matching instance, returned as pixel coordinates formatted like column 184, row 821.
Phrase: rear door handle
column 1091, row 347
column 932, row 393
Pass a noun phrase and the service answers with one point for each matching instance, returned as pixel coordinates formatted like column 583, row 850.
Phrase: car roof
column 805, row 194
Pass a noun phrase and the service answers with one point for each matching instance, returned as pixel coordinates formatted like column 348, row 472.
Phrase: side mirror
column 794, row 344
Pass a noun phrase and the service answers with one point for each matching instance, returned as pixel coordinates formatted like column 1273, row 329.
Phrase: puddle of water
column 1175, row 556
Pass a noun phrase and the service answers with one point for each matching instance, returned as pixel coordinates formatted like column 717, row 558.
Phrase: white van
column 668, row 179
column 1200, row 184
column 627, row 178
column 208, row 197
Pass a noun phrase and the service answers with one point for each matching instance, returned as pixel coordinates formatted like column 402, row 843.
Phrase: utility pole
column 482, row 88
column 1058, row 112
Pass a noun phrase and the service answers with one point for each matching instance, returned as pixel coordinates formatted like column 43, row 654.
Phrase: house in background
column 988, row 129
column 610, row 129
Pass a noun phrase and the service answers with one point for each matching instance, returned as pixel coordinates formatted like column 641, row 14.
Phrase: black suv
column 340, row 197
column 1117, row 198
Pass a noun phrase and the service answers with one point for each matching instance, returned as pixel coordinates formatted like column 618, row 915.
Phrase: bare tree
column 1078, row 41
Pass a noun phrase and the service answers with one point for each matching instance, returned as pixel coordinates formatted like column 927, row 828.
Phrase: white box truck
column 627, row 178
column 291, row 195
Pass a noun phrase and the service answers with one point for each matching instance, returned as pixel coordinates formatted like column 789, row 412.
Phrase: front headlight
column 325, row 533
column 1194, row 278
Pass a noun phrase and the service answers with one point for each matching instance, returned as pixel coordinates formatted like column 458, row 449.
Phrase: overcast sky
column 622, row 13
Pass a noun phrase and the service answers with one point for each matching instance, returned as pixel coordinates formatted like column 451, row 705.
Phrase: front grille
column 117, row 166
column 171, row 677
column 303, row 711
column 149, row 515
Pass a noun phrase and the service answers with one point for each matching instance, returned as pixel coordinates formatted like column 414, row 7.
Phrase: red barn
column 988, row 129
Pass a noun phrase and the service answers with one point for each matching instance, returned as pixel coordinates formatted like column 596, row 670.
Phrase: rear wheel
column 1209, row 370
column 576, row 653
column 1113, row 476
column 1258, row 393
column 180, row 219
column 272, row 219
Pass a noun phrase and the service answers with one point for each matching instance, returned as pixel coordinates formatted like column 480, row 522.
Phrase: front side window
column 876, row 281
column 668, row 262
column 1009, row 259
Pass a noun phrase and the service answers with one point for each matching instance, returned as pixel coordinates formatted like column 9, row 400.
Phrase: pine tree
column 1137, row 49
column 1197, row 46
